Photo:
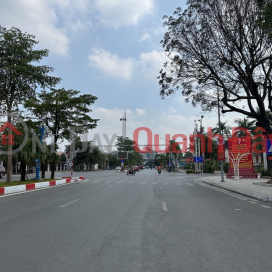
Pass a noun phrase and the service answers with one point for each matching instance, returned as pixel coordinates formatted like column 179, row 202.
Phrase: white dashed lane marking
column 62, row 206
column 164, row 206
column 265, row 206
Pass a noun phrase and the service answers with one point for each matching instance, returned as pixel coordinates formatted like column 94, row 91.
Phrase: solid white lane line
column 238, row 209
column 62, row 206
column 143, row 182
column 190, row 184
column 96, row 181
column 252, row 202
column 164, row 207
column 265, row 206
column 121, row 181
column 109, row 181
column 109, row 186
column 131, row 182
column 166, row 183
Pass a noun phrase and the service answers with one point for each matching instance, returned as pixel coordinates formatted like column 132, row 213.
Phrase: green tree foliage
column 225, row 130
column 218, row 45
column 62, row 110
column 245, row 123
column 19, row 77
column 265, row 19
column 134, row 158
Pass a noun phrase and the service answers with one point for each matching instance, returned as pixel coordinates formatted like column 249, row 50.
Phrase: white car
column 118, row 168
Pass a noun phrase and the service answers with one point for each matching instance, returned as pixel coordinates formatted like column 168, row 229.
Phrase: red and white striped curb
column 38, row 185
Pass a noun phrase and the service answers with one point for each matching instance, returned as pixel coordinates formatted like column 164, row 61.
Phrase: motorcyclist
column 159, row 169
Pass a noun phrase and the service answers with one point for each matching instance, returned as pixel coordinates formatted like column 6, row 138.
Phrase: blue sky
column 110, row 49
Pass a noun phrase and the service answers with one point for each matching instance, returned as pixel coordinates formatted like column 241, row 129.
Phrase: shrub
column 226, row 167
column 266, row 173
column 210, row 166
column 187, row 166
column 208, row 171
column 188, row 171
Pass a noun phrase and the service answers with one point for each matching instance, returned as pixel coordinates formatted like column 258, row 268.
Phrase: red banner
column 240, row 146
column 221, row 152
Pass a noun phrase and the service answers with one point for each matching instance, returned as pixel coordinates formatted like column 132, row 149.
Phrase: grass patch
column 14, row 183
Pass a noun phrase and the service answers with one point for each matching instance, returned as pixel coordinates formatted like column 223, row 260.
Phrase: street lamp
column 42, row 130
column 220, row 133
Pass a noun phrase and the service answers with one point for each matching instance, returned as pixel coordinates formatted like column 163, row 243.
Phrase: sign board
column 241, row 145
column 122, row 155
column 198, row 159
column 268, row 147
column 37, row 160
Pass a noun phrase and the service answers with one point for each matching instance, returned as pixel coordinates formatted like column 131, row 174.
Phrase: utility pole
column 123, row 137
column 220, row 133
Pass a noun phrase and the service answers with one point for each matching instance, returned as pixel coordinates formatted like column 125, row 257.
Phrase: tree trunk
column 9, row 162
column 53, row 169
column 43, row 170
column 23, row 170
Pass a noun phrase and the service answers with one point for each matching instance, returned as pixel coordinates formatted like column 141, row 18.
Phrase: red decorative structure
column 240, row 152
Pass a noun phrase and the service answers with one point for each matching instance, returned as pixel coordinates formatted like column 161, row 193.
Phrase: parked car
column 141, row 167
column 136, row 168
column 118, row 168
column 2, row 171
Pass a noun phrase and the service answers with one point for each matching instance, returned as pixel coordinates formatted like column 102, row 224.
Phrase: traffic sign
column 268, row 147
column 198, row 159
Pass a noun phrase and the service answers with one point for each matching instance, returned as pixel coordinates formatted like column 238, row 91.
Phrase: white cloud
column 140, row 111
column 111, row 64
column 145, row 37
column 162, row 124
column 152, row 63
column 116, row 13
column 36, row 17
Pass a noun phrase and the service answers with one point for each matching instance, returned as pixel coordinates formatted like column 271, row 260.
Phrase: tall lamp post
column 42, row 130
column 220, row 133
column 123, row 136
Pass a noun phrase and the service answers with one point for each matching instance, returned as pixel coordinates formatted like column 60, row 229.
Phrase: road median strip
column 37, row 185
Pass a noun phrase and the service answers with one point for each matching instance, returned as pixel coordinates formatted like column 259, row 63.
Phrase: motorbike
column 131, row 172
column 2, row 175
column 159, row 171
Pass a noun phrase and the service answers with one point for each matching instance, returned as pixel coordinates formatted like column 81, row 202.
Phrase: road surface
column 147, row 222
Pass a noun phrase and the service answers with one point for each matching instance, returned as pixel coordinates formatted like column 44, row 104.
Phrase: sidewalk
column 256, row 188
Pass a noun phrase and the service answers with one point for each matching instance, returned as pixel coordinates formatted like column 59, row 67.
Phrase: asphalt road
column 147, row 222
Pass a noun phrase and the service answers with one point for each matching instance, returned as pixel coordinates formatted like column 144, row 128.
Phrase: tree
column 245, row 123
column 218, row 45
column 62, row 110
column 19, row 77
column 134, row 158
column 265, row 19
column 225, row 130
